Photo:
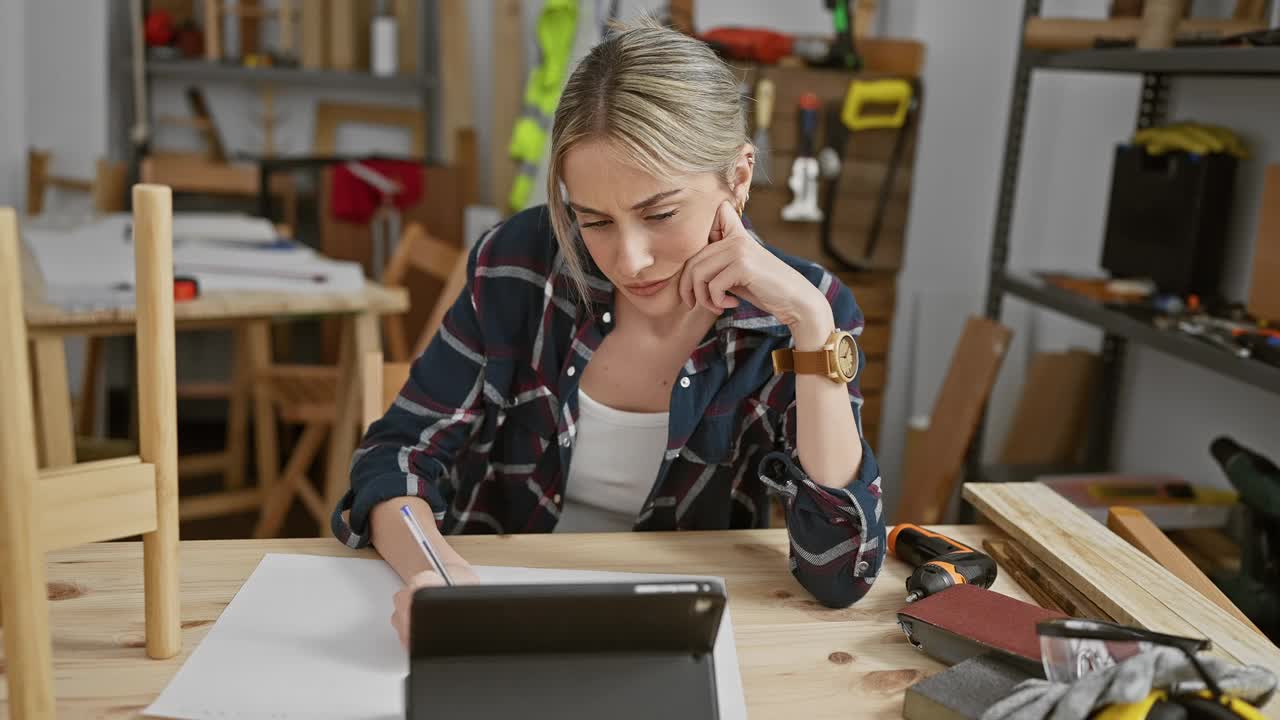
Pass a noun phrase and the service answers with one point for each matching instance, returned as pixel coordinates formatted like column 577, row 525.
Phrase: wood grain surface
column 798, row 659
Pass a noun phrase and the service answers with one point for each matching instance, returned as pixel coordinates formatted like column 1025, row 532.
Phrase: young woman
column 630, row 356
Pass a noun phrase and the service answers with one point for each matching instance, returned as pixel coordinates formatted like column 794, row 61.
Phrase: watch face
column 847, row 356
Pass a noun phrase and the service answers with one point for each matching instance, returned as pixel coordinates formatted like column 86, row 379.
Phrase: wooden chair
column 380, row 385
column 306, row 395
column 41, row 511
column 107, row 186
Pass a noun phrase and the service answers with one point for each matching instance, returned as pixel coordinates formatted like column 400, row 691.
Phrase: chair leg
column 92, row 378
column 23, row 602
column 238, row 411
column 275, row 505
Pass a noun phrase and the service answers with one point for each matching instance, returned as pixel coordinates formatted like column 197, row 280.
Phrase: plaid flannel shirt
column 484, row 428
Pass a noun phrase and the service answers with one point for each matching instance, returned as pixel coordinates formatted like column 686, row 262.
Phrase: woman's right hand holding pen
column 460, row 572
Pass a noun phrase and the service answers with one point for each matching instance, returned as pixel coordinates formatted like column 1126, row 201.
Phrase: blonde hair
column 663, row 100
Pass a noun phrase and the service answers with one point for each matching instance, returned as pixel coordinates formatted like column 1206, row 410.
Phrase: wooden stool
column 89, row 502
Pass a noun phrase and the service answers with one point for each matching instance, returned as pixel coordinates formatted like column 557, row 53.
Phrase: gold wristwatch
column 837, row 360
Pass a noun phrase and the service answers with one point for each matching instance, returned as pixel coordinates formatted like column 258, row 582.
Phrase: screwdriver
column 940, row 562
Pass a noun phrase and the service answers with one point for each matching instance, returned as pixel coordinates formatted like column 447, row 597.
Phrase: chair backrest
column 419, row 251
column 43, row 511
column 380, row 385
column 107, row 187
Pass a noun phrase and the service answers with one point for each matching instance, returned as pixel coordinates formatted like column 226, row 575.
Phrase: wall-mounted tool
column 804, row 170
column 868, row 105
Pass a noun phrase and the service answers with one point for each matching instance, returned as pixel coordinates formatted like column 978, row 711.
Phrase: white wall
column 12, row 119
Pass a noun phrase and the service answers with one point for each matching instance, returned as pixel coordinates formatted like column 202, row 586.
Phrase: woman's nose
column 634, row 254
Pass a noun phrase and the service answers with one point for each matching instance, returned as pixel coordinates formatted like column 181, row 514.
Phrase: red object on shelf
column 158, row 28
column 755, row 44
column 356, row 201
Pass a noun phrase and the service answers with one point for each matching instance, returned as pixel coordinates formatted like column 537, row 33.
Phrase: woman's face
column 640, row 230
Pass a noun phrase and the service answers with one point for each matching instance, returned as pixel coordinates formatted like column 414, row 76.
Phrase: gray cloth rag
column 1130, row 682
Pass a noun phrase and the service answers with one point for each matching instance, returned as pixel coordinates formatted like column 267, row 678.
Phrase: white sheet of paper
column 310, row 636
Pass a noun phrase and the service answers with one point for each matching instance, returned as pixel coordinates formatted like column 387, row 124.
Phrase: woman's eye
column 596, row 224
column 663, row 216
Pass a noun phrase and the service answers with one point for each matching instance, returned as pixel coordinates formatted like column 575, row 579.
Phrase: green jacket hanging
column 557, row 26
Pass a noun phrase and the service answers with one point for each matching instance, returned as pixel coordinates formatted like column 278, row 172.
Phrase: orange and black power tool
column 939, row 561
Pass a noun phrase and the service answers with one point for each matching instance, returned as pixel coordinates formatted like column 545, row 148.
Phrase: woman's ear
column 742, row 172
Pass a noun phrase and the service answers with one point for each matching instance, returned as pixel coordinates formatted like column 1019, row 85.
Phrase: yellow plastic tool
column 865, row 95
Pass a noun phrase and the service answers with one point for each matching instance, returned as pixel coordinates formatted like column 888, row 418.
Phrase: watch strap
column 801, row 363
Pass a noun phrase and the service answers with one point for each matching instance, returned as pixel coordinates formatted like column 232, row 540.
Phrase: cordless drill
column 939, row 561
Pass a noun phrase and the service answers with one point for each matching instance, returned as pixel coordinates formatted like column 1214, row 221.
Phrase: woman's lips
column 648, row 289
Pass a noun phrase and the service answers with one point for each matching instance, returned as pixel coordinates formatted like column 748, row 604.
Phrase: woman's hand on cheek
column 733, row 263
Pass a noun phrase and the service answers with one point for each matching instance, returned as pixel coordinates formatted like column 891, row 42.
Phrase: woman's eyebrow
column 654, row 199
column 647, row 202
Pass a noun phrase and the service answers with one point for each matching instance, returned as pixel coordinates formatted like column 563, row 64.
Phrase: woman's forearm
column 826, row 435
column 397, row 546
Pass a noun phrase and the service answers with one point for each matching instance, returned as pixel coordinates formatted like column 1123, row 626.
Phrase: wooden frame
column 312, row 396
column 94, row 501
column 330, row 115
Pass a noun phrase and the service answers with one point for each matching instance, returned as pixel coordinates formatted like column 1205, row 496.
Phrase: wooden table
column 798, row 659
column 251, row 313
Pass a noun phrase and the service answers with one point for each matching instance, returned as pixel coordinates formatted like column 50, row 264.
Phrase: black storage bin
column 1167, row 218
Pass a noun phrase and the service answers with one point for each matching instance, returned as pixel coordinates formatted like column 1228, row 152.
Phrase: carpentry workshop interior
column 702, row 359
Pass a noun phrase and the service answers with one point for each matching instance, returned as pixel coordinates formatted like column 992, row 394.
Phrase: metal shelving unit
column 424, row 83
column 204, row 71
column 1120, row 329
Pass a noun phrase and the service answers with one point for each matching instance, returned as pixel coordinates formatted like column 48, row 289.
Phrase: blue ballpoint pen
column 416, row 530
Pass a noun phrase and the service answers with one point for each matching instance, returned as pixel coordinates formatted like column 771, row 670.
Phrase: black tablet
column 565, row 651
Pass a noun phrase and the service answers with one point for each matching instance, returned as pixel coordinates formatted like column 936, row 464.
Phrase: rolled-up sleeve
column 410, row 451
column 837, row 534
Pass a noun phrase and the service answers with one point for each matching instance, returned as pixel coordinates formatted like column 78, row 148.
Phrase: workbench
column 798, row 658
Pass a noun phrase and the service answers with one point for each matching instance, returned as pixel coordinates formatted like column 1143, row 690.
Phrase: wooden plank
column 875, row 293
column 1050, row 422
column 455, row 77
column 874, row 339
column 25, row 610
column 195, row 507
column 1079, row 34
column 1053, row 586
column 315, row 33
column 1128, row 585
column 406, row 14
column 1135, row 527
column 956, row 413
column 999, row 551
column 343, row 32
column 53, row 402
column 507, row 50
column 330, row 115
column 250, row 26
column 872, row 376
column 892, row 56
column 93, row 502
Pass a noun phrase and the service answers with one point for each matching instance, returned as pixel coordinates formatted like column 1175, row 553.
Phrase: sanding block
column 966, row 621
column 965, row 691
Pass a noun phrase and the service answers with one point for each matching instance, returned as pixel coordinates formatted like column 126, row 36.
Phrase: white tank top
column 616, row 456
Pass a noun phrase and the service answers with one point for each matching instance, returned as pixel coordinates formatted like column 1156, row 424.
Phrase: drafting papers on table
column 90, row 266
column 309, row 637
